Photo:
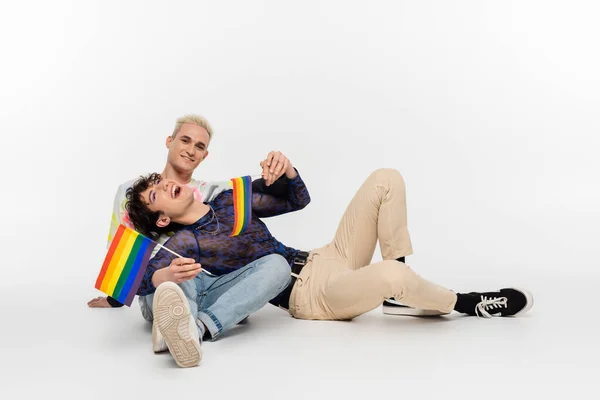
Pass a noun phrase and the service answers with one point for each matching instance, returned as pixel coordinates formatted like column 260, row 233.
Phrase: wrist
column 291, row 173
column 159, row 276
column 113, row 302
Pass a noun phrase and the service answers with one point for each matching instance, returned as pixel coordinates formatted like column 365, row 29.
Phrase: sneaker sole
column 414, row 312
column 172, row 318
column 529, row 304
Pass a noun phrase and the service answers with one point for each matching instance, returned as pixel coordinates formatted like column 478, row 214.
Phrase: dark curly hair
column 144, row 219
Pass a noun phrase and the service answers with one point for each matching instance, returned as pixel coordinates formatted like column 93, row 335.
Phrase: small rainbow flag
column 242, row 203
column 125, row 264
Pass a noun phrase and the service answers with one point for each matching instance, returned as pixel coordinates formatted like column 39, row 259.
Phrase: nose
column 164, row 185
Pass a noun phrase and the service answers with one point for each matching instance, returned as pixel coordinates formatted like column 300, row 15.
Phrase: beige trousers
column 339, row 282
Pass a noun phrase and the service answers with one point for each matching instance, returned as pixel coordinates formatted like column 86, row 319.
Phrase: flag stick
column 172, row 252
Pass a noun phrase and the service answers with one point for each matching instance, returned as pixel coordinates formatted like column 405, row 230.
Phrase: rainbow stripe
column 125, row 264
column 242, row 203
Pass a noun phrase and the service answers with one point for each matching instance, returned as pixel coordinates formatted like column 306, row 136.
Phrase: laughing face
column 188, row 148
column 169, row 197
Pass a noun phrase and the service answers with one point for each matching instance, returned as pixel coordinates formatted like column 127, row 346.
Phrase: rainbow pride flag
column 125, row 264
column 242, row 203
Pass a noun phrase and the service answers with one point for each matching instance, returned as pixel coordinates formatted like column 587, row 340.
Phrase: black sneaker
column 508, row 302
column 391, row 306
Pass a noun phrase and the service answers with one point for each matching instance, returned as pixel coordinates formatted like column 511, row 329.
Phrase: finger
column 277, row 167
column 264, row 168
column 187, row 268
column 271, row 178
column 183, row 261
column 185, row 276
column 190, row 267
column 280, row 166
column 273, row 166
column 274, row 162
column 269, row 158
column 94, row 300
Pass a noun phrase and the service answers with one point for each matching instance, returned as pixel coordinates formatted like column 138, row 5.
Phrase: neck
column 194, row 212
column 182, row 177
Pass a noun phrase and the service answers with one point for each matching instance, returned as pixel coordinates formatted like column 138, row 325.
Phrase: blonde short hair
column 192, row 119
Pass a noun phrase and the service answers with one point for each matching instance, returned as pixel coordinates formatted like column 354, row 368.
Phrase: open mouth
column 175, row 191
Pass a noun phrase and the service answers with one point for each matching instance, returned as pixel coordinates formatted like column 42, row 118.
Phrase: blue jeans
column 220, row 302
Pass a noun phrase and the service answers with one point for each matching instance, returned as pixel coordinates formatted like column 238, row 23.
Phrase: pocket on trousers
column 300, row 299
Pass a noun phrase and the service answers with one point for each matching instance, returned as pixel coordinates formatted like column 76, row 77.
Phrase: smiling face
column 188, row 148
column 168, row 197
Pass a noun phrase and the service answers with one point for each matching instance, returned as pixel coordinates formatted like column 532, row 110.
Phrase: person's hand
column 274, row 166
column 99, row 302
column 182, row 269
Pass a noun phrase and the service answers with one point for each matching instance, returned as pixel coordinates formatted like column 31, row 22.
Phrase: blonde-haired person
column 187, row 147
column 194, row 119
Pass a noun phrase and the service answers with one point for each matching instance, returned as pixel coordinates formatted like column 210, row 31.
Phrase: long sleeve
column 119, row 216
column 210, row 190
column 183, row 243
column 266, row 205
column 279, row 188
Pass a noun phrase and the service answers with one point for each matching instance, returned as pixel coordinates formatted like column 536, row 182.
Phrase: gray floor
column 63, row 348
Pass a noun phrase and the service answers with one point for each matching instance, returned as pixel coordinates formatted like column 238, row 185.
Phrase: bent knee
column 397, row 274
column 388, row 175
column 277, row 266
column 276, row 260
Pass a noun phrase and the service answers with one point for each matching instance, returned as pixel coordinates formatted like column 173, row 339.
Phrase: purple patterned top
column 207, row 240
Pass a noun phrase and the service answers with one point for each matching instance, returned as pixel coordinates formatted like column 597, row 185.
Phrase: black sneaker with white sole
column 392, row 306
column 508, row 302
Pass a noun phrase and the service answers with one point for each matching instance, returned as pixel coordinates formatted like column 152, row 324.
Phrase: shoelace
column 481, row 309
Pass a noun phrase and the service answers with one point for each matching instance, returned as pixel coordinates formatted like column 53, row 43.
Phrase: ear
column 163, row 221
column 205, row 155
column 169, row 141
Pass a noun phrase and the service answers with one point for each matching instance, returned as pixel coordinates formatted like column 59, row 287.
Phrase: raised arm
column 297, row 197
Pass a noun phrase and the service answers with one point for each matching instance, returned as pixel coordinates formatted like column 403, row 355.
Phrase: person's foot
column 508, row 302
column 175, row 323
column 392, row 306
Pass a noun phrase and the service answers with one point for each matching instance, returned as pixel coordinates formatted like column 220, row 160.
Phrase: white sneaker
column 158, row 342
column 393, row 307
column 175, row 323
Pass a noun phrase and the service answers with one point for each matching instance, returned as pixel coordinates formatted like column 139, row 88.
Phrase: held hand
column 183, row 269
column 274, row 166
column 99, row 302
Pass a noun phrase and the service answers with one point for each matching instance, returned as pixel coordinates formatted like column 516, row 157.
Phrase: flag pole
column 180, row 256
